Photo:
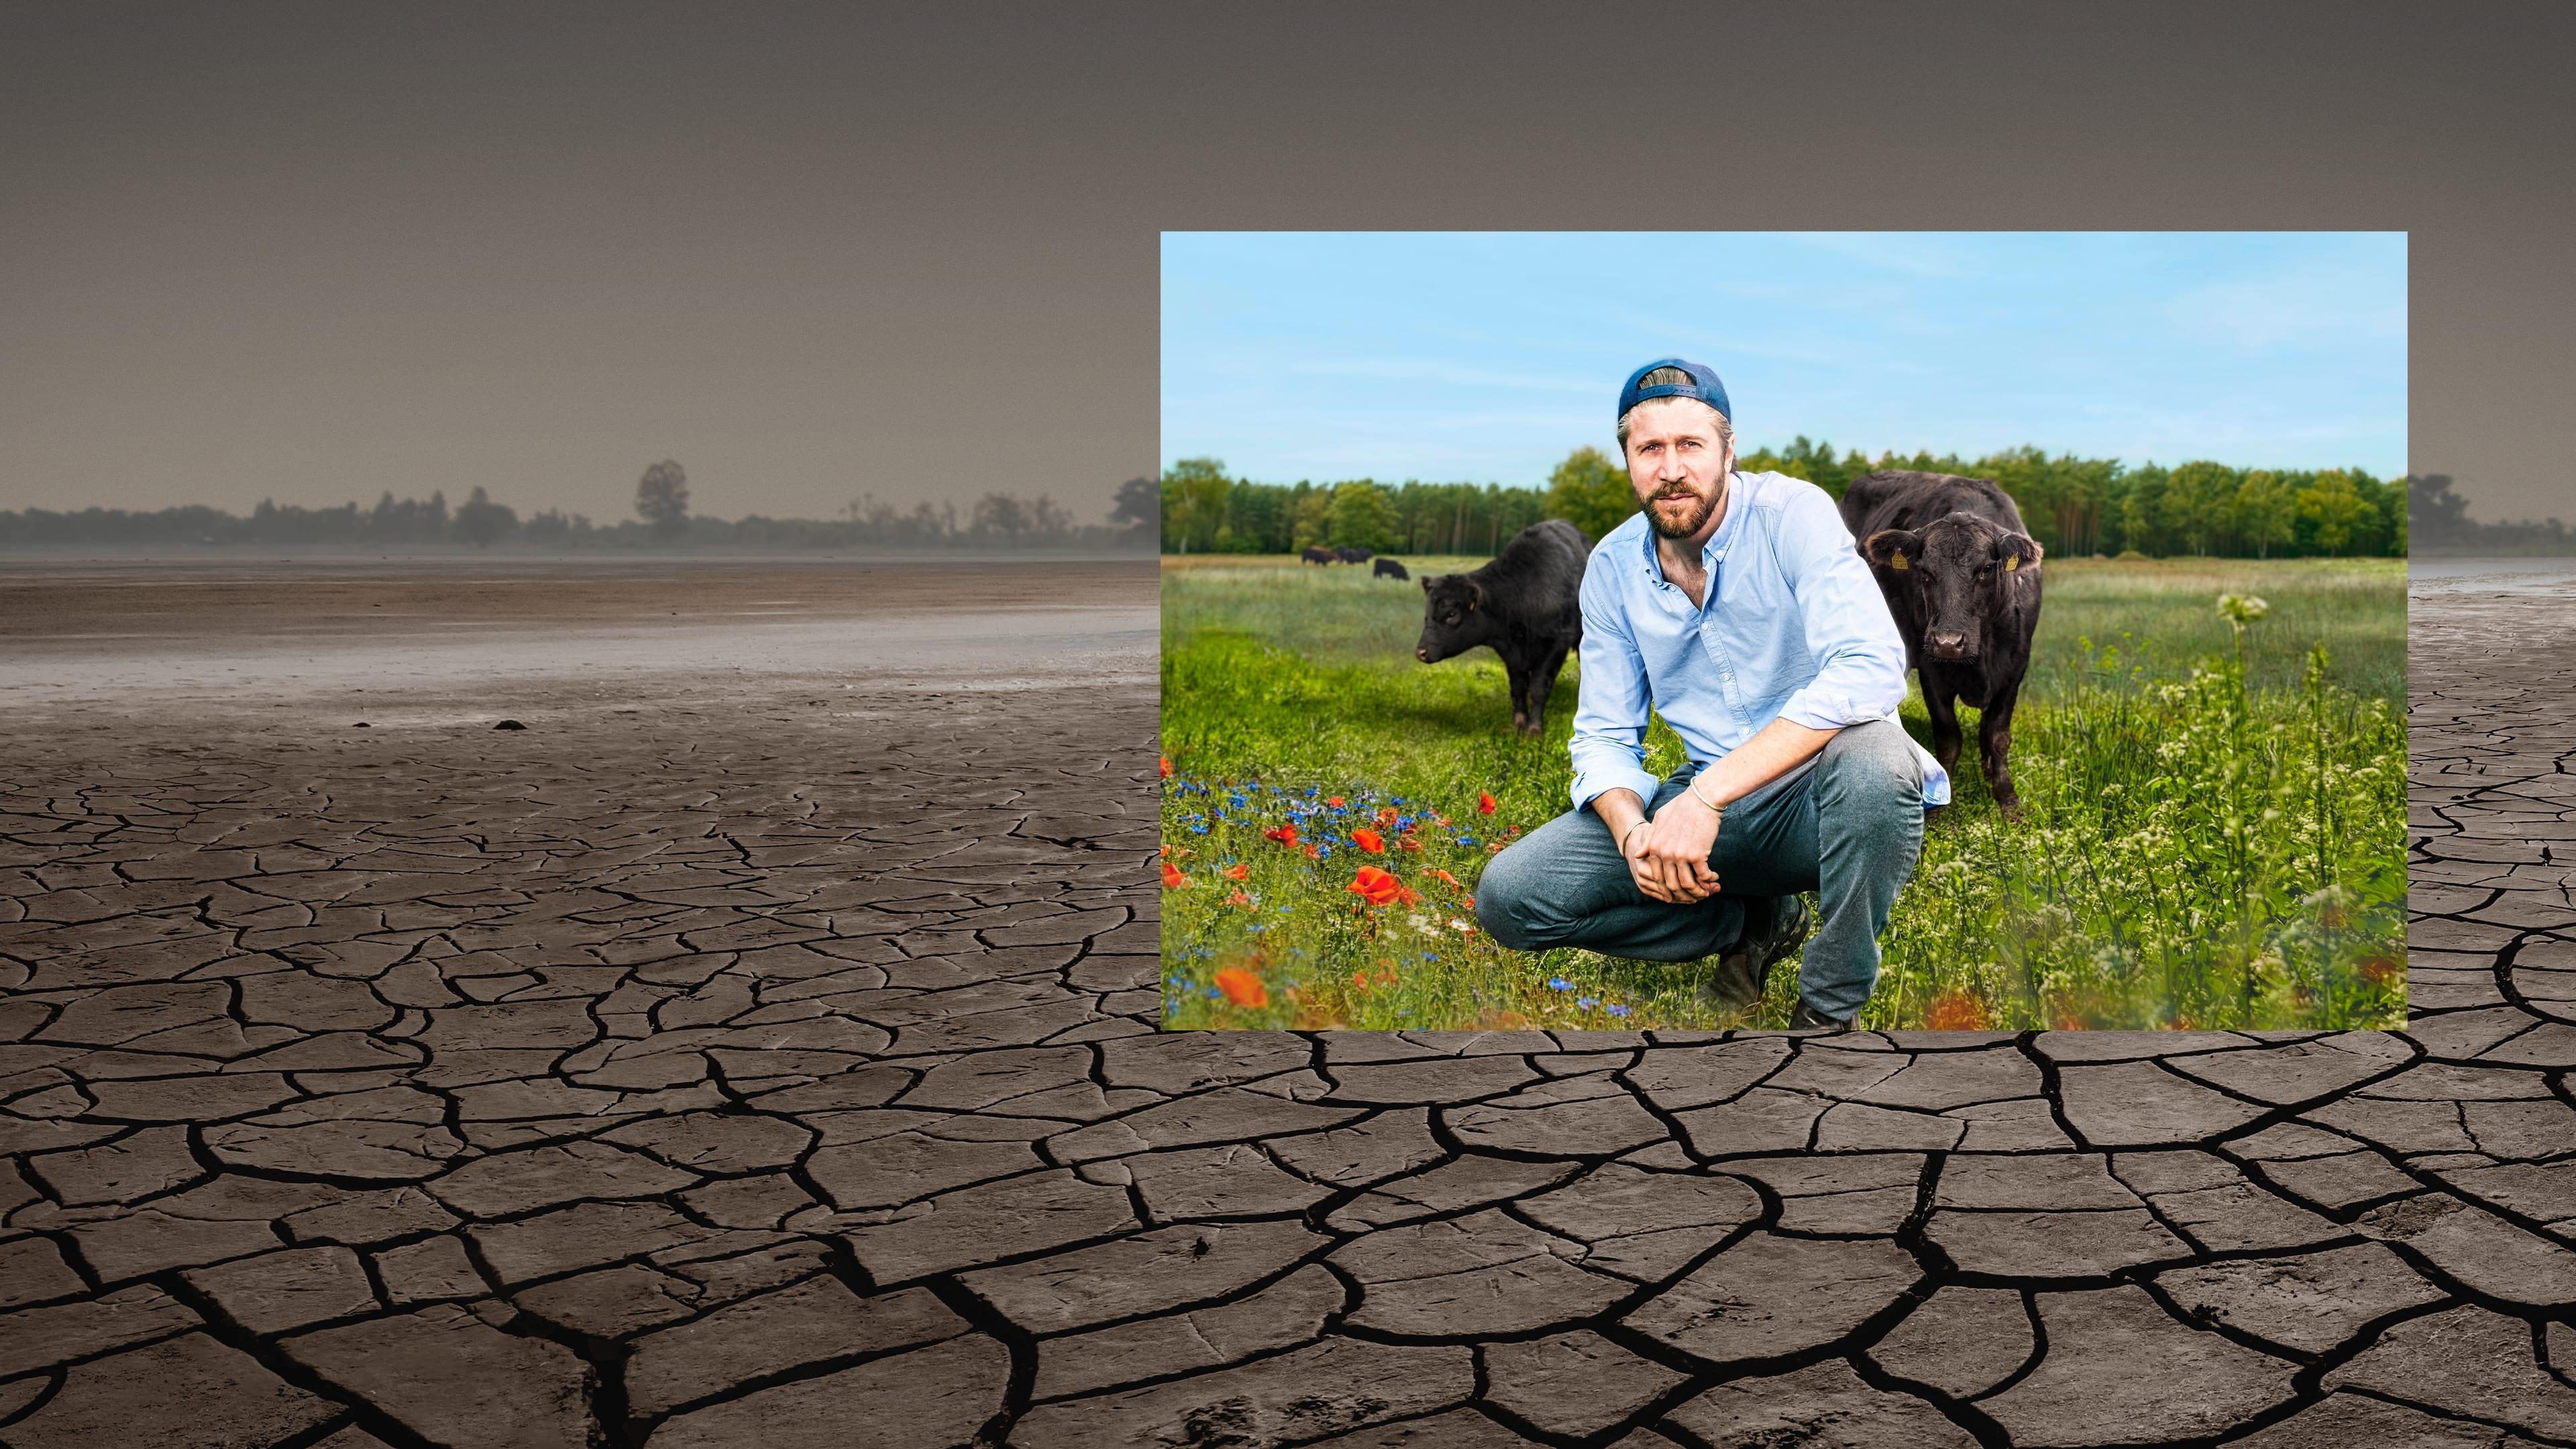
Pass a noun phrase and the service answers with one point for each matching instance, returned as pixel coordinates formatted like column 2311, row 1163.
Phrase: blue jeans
column 1849, row 827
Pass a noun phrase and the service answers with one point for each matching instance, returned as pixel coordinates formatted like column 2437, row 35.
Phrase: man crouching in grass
column 1737, row 606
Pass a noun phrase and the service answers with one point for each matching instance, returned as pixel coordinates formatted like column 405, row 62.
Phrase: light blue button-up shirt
column 1794, row 628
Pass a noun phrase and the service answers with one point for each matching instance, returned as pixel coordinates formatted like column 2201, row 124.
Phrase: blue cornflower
column 1586, row 1003
column 1559, row 983
column 1619, row 1011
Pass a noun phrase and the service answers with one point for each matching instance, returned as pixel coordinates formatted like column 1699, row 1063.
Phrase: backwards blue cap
column 1703, row 385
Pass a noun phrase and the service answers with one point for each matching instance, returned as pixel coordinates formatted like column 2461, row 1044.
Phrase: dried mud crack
column 743, row 1079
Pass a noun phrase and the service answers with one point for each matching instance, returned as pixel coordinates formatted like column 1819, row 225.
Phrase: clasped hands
column 1667, row 853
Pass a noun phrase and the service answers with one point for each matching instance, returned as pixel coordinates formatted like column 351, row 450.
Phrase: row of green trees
column 1206, row 512
column 2071, row 504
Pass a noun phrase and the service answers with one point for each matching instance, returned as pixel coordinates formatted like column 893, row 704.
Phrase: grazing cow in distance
column 1961, row 576
column 1388, row 568
column 1525, row 605
column 1352, row 555
column 1317, row 555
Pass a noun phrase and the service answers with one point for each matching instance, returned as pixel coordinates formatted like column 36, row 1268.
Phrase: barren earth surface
column 758, row 1049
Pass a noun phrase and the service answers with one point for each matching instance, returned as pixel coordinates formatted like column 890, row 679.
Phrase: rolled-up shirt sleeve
column 1611, row 698
column 1860, row 658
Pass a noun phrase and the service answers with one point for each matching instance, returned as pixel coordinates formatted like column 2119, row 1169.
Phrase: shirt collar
column 1737, row 492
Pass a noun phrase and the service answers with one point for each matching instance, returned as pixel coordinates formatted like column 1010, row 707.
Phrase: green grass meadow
column 2212, row 832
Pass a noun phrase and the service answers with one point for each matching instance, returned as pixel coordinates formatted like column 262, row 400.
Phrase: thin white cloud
column 1409, row 370
column 1913, row 254
column 2313, row 308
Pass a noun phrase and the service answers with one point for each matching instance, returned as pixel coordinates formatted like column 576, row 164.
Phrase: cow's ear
column 1893, row 548
column 1426, row 583
column 2016, row 550
column 1475, row 593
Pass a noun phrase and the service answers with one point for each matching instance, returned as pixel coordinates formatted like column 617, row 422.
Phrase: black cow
column 1524, row 605
column 1352, row 555
column 1961, row 576
column 1388, row 568
column 1317, row 555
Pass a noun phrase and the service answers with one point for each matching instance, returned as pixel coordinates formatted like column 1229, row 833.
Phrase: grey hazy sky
column 316, row 252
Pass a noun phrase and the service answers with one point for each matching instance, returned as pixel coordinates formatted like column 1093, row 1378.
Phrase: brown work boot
column 1774, row 926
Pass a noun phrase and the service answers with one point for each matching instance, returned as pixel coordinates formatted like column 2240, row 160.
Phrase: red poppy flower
column 1314, row 852
column 1376, row 886
column 1284, row 834
column 1239, row 899
column 1242, row 987
column 1369, row 840
column 1335, row 802
column 1484, row 804
column 1167, row 767
column 1236, row 872
column 1172, row 878
column 1386, row 817
column 1444, row 875
column 1409, row 843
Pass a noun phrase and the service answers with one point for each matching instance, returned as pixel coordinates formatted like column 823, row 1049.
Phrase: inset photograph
column 1823, row 632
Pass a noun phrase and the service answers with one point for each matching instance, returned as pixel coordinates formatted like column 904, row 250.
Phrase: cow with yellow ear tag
column 1962, row 577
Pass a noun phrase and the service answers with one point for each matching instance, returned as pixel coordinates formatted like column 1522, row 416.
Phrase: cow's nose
column 1947, row 646
column 1421, row 653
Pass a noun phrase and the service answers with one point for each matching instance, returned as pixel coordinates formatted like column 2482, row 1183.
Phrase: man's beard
column 1691, row 520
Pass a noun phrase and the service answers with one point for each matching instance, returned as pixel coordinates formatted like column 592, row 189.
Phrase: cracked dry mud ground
column 786, row 1092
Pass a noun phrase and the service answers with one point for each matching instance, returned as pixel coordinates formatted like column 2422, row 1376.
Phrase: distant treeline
column 2072, row 505
column 2440, row 523
column 993, row 521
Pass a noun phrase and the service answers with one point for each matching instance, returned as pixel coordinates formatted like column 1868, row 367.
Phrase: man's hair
column 1671, row 377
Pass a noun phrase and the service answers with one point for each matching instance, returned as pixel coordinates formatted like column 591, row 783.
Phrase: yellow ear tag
column 2012, row 562
column 1897, row 562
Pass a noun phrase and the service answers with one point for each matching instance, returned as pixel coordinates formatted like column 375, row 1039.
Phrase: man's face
column 1677, row 463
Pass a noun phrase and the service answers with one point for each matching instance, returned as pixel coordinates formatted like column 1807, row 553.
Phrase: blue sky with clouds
column 1489, row 356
